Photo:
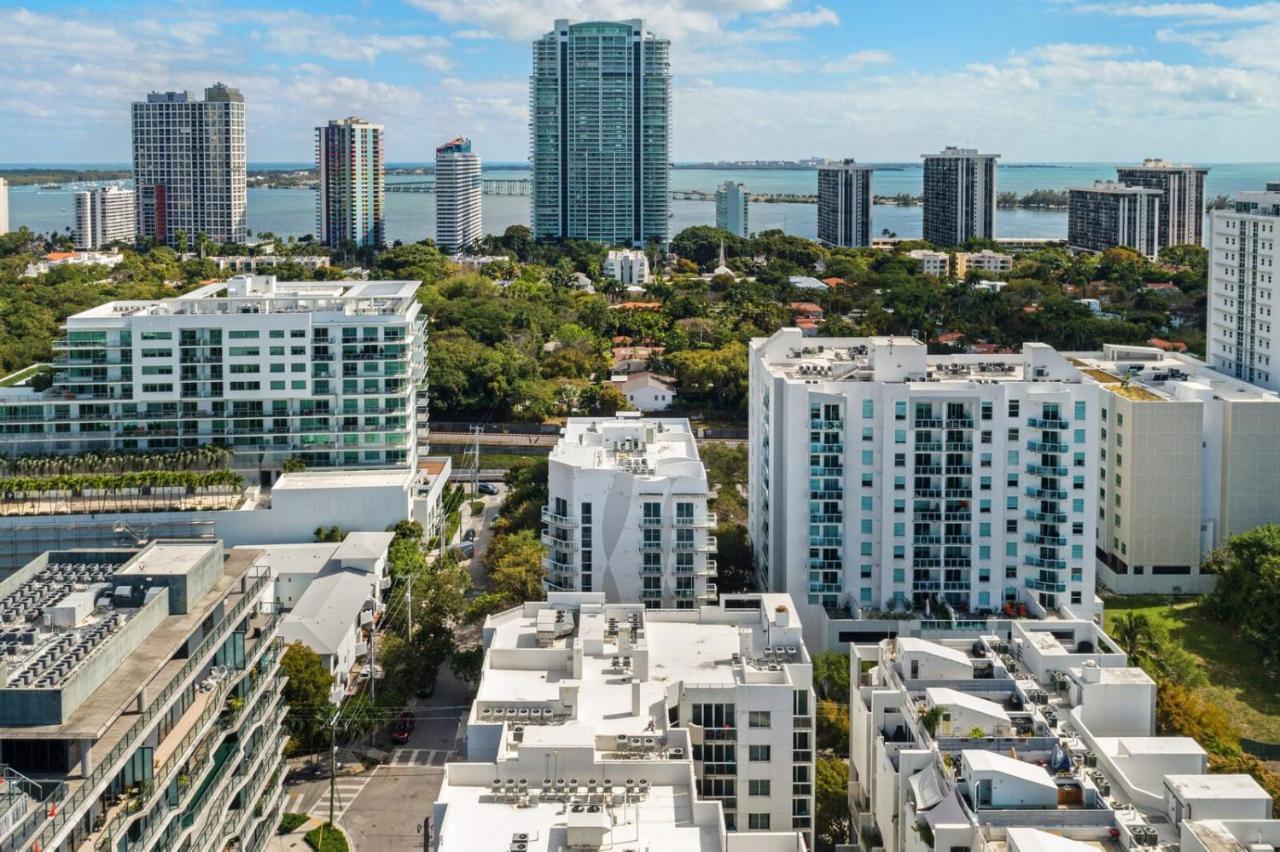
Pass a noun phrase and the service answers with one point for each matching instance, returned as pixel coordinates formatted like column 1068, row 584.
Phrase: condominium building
column 844, row 204
column 459, row 196
column 985, row 261
column 600, row 127
column 627, row 512
column 350, row 204
column 883, row 479
column 585, row 703
column 936, row 263
column 328, row 372
column 627, row 266
column 1242, row 267
column 1110, row 214
column 959, row 196
column 1182, row 202
column 1039, row 738
column 145, row 709
column 104, row 216
column 189, row 166
column 4, row 206
column 1188, row 456
column 732, row 208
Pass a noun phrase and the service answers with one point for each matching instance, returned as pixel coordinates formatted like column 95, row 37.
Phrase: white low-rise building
column 627, row 266
column 645, row 391
column 585, row 702
column 627, row 512
column 948, row 487
column 936, row 263
column 329, row 594
column 54, row 259
column 983, row 261
column 1076, row 767
column 1243, row 253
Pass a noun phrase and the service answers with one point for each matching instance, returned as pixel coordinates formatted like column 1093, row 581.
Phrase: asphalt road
column 484, row 534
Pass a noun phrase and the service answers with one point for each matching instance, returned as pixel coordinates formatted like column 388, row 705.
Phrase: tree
column 1246, row 595
column 294, row 464
column 831, row 675
column 1132, row 631
column 515, row 566
column 832, row 821
column 833, row 727
column 307, row 693
column 467, row 664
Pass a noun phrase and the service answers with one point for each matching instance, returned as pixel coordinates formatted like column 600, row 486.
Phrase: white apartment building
column 951, row 487
column 329, row 372
column 627, row 266
column 983, row 261
column 1067, row 760
column 627, row 512
column 189, row 166
column 936, row 263
column 104, row 216
column 1242, row 268
column 587, row 702
column 732, row 202
column 350, row 190
column 459, row 196
column 4, row 206
column 1188, row 456
column 844, row 203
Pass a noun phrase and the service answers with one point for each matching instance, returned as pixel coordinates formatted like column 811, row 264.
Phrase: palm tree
column 1132, row 631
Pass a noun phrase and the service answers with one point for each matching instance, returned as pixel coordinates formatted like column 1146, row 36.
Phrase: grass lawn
column 1235, row 682
column 18, row 376
column 326, row 838
column 493, row 461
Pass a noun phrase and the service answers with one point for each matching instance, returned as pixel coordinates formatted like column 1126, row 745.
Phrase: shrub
column 327, row 838
column 290, row 823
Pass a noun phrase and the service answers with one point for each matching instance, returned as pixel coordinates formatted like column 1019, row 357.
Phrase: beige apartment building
column 1187, row 457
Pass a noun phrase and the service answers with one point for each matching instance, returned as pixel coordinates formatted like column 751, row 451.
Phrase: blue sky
column 1034, row 80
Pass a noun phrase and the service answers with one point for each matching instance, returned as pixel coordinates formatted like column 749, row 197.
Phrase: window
column 759, row 753
column 1081, row 410
column 758, row 787
column 244, row 351
column 276, row 333
column 900, row 410
column 243, row 334
column 868, row 408
column 1013, row 408
column 758, row 822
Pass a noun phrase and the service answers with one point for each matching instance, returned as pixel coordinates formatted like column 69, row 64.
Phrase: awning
column 926, row 787
column 948, row 812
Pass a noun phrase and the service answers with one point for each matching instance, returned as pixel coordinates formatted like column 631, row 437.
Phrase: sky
column 1033, row 80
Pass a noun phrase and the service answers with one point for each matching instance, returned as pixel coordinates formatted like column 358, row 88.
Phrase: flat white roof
column 955, row 698
column 328, row 609
column 652, row 446
column 1035, row 840
column 1165, row 376
column 912, row 645
column 343, row 479
column 989, row 761
column 170, row 559
column 1216, row 787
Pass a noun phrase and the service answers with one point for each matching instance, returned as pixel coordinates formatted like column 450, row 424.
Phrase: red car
column 403, row 728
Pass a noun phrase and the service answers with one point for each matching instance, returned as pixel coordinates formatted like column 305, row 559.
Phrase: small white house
column 962, row 712
column 922, row 659
column 998, row 781
column 646, row 391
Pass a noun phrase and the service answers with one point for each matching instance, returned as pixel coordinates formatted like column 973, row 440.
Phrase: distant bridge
column 489, row 186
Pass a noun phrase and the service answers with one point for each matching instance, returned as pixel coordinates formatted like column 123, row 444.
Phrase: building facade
column 844, row 204
column 1182, row 203
column 350, row 202
column 936, row 263
column 627, row 513
column 329, row 372
column 600, row 127
column 459, row 196
column 150, row 705
column 1110, row 214
column 627, row 266
column 959, row 196
column 732, row 208
column 886, row 480
column 575, row 684
column 1242, row 267
column 1188, row 457
column 4, row 206
column 983, row 261
column 104, row 216
column 189, row 166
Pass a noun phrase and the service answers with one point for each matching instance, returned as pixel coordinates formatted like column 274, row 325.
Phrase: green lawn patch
column 19, row 376
column 1236, row 683
column 326, row 838
column 289, row 823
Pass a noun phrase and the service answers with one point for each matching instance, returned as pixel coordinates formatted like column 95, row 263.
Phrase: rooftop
column 645, row 446
column 1156, row 375
column 328, row 609
column 263, row 294
column 309, row 479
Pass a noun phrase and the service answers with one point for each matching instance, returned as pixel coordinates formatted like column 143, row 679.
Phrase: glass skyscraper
column 600, row 127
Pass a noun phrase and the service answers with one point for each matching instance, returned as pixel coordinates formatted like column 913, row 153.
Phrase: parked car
column 487, row 488
column 464, row 550
column 403, row 728
column 469, row 535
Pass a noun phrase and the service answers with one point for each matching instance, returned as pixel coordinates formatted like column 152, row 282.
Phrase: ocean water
column 411, row 216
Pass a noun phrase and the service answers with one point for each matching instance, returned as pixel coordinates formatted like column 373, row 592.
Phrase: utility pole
column 333, row 761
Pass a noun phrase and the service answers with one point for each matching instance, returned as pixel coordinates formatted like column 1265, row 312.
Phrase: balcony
column 708, row 520
column 1046, row 517
column 1038, row 562
column 827, row 519
column 826, row 424
column 551, row 541
column 834, row 470
column 1045, row 540
column 650, row 546
column 1047, row 447
column 1051, row 423
column 1046, row 493
column 927, row 423
column 929, row 493
column 959, row 422
column 1042, row 586
column 838, row 494
column 826, row 448
column 928, row 447
column 959, row 470
column 1045, row 470
column 927, row 539
column 708, row 594
column 927, row 470
column 959, row 446
column 650, row 521
column 548, row 517
column 825, row 541
column 957, row 539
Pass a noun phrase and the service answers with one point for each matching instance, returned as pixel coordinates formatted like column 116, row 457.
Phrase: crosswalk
column 420, row 757
column 347, row 788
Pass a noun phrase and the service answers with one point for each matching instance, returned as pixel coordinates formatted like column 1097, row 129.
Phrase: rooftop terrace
column 1154, row 375
column 647, row 446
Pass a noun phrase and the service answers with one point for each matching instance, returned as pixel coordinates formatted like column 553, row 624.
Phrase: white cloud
column 856, row 61
column 818, row 16
column 1207, row 12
